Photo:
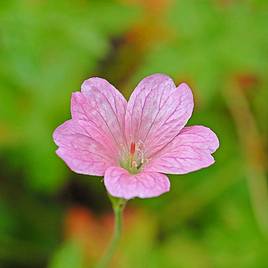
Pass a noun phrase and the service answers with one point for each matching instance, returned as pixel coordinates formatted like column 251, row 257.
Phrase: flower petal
column 120, row 183
column 80, row 150
column 104, row 107
column 189, row 151
column 157, row 111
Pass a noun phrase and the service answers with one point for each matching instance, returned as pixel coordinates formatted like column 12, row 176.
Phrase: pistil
column 132, row 153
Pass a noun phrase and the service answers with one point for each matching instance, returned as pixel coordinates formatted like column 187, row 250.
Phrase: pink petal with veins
column 92, row 140
column 104, row 106
column 157, row 111
column 120, row 183
column 189, row 151
column 80, row 150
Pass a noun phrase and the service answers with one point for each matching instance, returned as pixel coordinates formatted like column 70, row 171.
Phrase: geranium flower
column 133, row 143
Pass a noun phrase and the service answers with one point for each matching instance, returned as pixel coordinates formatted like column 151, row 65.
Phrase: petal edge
column 120, row 183
column 189, row 151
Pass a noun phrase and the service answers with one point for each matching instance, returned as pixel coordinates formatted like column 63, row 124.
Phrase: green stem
column 118, row 207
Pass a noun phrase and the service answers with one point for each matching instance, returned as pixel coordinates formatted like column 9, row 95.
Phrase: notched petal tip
column 56, row 135
column 157, row 76
column 183, row 85
column 207, row 135
column 187, row 95
column 157, row 111
column 93, row 81
column 214, row 141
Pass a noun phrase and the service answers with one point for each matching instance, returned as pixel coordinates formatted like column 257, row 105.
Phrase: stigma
column 132, row 148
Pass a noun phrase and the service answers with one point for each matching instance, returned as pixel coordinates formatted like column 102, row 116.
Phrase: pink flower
column 133, row 143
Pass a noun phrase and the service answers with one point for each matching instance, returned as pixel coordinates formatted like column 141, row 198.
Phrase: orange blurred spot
column 246, row 80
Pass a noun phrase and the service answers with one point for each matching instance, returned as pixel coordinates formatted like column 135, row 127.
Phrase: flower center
column 133, row 158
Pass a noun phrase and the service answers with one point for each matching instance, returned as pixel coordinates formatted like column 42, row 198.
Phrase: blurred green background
column 216, row 217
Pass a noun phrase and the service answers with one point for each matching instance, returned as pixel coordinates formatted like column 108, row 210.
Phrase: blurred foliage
column 217, row 217
column 44, row 46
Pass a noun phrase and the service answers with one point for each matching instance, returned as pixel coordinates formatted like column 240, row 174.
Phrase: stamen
column 133, row 158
